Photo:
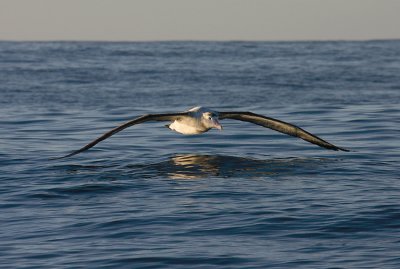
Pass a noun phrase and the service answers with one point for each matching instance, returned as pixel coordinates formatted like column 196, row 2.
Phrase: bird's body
column 201, row 119
column 187, row 127
column 194, row 123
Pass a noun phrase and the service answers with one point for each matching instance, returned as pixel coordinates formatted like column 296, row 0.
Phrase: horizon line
column 194, row 40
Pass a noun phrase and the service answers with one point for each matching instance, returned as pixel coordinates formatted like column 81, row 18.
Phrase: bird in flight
column 201, row 119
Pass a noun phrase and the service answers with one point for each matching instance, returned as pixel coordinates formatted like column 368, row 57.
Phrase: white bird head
column 210, row 120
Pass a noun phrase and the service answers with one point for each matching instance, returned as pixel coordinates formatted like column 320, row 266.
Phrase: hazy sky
column 199, row 19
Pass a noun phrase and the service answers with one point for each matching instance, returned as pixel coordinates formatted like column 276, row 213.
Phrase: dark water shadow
column 109, row 177
column 198, row 166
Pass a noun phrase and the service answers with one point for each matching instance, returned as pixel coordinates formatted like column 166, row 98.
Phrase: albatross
column 199, row 120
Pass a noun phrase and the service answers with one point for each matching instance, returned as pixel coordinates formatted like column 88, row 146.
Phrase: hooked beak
column 217, row 125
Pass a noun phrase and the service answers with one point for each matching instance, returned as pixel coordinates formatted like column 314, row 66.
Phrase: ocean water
column 244, row 197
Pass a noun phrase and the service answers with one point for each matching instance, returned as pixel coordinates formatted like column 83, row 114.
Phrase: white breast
column 184, row 128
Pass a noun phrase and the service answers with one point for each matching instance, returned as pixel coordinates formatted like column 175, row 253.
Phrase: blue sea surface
column 244, row 197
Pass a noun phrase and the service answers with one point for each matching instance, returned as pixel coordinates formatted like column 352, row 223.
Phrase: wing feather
column 280, row 126
column 138, row 120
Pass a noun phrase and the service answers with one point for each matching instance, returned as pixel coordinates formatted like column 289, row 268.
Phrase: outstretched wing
column 279, row 126
column 141, row 119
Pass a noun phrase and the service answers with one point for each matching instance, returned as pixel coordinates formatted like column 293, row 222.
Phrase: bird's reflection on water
column 197, row 166
column 200, row 166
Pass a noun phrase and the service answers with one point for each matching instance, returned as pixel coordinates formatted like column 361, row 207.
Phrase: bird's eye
column 209, row 118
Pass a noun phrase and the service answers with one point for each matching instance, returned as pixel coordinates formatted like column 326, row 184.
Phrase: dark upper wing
column 141, row 119
column 279, row 126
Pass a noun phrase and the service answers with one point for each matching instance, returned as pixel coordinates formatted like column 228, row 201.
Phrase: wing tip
column 63, row 157
column 339, row 149
column 56, row 158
